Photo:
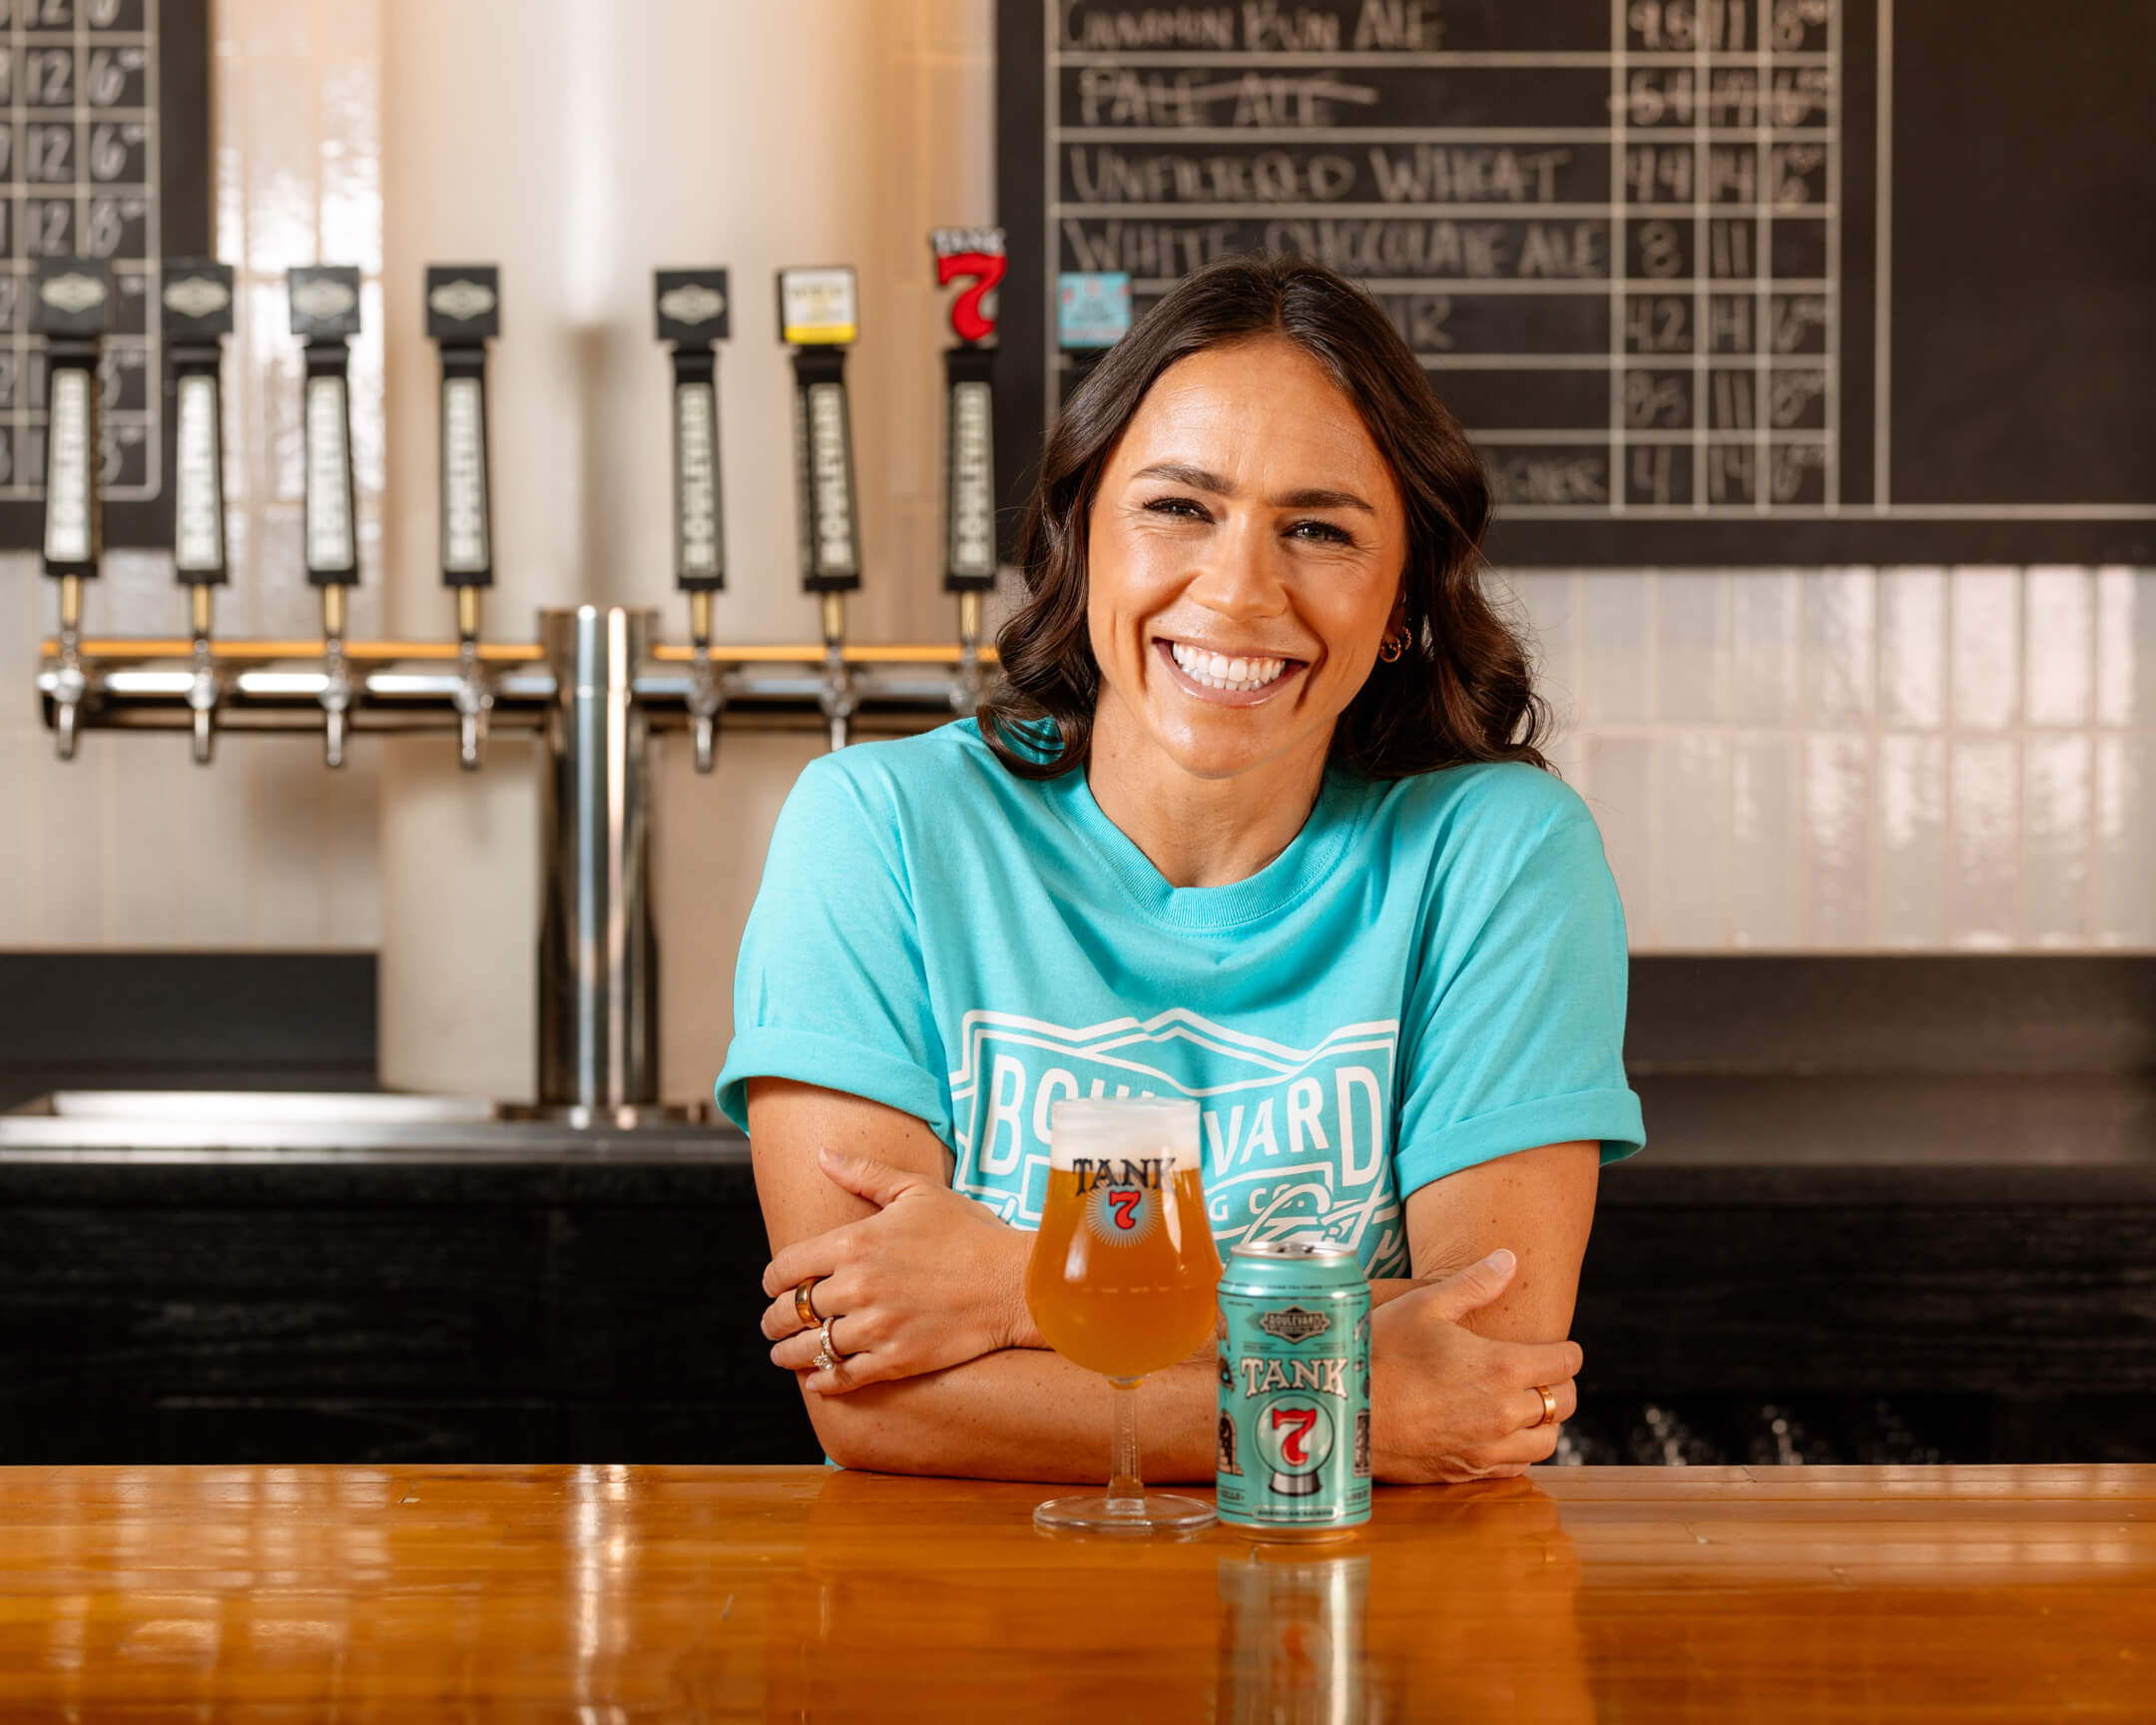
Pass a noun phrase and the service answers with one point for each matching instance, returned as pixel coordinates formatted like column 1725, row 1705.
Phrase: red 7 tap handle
column 985, row 269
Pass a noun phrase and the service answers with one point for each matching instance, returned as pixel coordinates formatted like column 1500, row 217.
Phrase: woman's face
column 1245, row 558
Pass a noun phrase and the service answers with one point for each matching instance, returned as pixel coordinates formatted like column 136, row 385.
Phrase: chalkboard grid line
column 1495, row 285
column 1459, row 361
column 1053, row 358
column 1575, row 60
column 1763, row 296
column 1620, row 114
column 1882, row 312
column 1701, row 120
column 1832, row 402
column 1637, row 436
column 1061, row 134
column 1480, row 212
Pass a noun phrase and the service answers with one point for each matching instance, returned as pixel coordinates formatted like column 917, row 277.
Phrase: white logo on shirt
column 1297, row 1140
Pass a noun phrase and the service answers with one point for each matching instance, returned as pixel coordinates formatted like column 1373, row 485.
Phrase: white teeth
column 1215, row 672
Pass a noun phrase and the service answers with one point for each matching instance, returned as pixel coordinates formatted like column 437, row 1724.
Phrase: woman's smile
column 1222, row 679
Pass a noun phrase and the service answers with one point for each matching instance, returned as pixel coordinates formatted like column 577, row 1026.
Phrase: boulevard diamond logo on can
column 1294, row 1325
column 1294, row 1431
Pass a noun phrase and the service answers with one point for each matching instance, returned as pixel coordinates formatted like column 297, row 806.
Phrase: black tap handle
column 817, row 317
column 325, row 313
column 72, row 307
column 196, row 301
column 694, row 310
column 969, row 513
column 463, row 311
column 699, row 512
column 823, row 451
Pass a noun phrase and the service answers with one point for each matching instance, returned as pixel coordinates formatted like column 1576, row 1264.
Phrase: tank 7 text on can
column 1294, row 1451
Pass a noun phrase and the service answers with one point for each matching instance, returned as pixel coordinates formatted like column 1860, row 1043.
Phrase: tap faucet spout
column 837, row 695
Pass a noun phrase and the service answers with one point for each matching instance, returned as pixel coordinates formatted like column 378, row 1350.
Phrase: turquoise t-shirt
column 1429, row 976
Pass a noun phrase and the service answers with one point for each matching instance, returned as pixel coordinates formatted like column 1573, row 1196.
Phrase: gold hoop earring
column 1394, row 645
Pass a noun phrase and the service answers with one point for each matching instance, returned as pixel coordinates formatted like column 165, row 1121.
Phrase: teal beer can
column 1294, row 1458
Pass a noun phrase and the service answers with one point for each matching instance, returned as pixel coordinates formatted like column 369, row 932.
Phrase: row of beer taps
column 74, row 306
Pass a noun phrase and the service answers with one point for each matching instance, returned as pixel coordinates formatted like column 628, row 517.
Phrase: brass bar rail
column 512, row 651
column 408, row 687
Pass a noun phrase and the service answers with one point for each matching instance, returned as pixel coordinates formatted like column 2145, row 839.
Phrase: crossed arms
column 945, row 1374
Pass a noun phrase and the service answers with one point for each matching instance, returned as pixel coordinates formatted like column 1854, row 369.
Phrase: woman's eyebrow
column 1204, row 480
column 1183, row 473
column 1320, row 498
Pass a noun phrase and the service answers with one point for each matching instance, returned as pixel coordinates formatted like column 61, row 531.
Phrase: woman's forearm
column 1021, row 1413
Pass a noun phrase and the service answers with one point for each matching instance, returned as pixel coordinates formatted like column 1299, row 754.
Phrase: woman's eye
column 1321, row 532
column 1176, row 508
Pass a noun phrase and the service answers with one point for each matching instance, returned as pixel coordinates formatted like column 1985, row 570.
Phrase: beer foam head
column 1118, row 1126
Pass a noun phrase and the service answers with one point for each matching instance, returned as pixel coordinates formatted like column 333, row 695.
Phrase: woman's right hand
column 1447, row 1404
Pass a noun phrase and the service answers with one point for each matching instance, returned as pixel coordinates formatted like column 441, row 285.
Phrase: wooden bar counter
column 616, row 1593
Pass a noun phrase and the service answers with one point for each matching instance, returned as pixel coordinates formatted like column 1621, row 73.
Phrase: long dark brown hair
column 1461, row 691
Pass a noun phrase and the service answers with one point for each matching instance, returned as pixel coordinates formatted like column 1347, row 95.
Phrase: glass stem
column 1126, row 1490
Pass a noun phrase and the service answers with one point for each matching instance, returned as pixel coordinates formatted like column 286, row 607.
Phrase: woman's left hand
column 930, row 1281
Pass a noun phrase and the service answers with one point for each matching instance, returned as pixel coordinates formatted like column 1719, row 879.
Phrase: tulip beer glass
column 1121, row 1280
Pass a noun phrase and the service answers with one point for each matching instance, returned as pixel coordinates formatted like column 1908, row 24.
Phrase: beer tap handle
column 694, row 313
column 196, row 306
column 817, row 319
column 71, row 306
column 976, row 257
column 325, row 314
column 1093, row 314
column 463, row 311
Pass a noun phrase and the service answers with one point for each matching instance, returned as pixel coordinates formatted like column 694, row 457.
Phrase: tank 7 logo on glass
column 1122, row 1196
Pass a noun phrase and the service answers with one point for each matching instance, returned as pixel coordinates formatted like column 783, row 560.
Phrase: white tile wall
column 1919, row 758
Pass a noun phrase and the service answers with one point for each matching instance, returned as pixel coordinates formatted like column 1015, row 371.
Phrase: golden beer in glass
column 1122, row 1277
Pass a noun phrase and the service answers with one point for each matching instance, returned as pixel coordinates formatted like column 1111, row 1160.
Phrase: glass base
column 1097, row 1512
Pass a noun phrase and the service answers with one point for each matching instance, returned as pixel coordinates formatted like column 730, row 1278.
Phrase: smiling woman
column 1255, row 819
column 1371, row 502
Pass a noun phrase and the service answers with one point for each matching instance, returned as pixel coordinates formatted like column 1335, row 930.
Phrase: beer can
column 1294, row 1458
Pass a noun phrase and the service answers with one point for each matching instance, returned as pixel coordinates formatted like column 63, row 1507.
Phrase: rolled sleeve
column 829, row 988
column 1516, row 1016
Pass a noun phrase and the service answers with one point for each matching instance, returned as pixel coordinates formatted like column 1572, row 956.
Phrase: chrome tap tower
column 598, row 960
column 595, row 687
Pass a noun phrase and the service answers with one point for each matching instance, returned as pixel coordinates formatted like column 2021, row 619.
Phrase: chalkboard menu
column 1707, row 281
column 104, row 153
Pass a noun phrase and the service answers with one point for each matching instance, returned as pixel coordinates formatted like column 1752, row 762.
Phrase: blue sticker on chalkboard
column 1092, row 309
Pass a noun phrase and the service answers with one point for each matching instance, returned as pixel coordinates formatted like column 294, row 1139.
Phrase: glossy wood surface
column 625, row 1594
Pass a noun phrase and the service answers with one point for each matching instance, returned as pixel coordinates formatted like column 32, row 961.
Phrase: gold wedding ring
column 1549, row 1403
column 805, row 1302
